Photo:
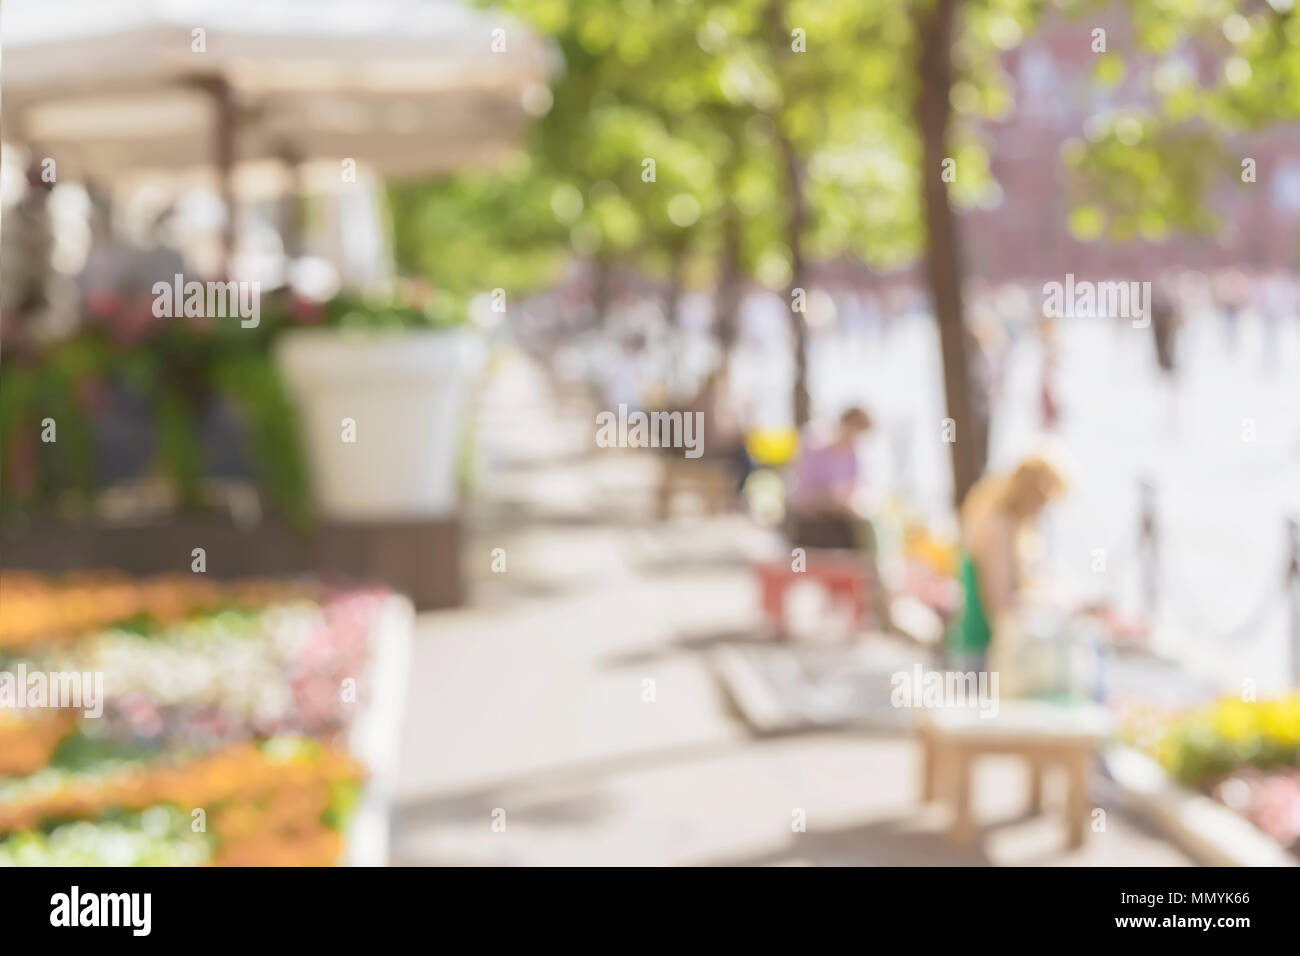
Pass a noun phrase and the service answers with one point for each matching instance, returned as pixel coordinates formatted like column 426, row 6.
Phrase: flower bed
column 1270, row 800
column 27, row 742
column 282, row 802
column 37, row 610
column 1245, row 754
column 235, row 701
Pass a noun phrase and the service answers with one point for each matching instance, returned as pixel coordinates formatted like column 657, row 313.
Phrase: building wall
column 1025, row 237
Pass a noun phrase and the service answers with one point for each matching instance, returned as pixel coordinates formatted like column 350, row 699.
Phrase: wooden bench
column 1041, row 733
column 844, row 575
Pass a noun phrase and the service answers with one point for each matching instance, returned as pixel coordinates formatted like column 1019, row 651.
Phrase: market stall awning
column 408, row 86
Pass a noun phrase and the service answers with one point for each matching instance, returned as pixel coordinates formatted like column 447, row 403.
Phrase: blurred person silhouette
column 161, row 259
column 823, row 479
column 25, row 245
column 999, row 513
column 724, row 423
column 988, row 333
column 1230, row 292
column 871, row 315
column 1275, row 298
column 982, row 371
column 1165, row 323
column 625, row 375
column 1049, row 404
column 104, row 282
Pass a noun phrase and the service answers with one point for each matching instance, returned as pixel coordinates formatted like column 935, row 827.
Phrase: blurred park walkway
column 532, row 699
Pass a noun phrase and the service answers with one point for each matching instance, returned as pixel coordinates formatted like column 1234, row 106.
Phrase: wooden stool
column 1041, row 733
column 844, row 576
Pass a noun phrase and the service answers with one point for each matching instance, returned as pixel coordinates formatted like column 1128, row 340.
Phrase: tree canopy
column 741, row 139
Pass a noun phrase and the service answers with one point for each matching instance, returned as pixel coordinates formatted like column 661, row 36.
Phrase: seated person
column 823, row 478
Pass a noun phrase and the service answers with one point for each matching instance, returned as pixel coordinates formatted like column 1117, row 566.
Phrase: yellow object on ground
column 938, row 554
column 772, row 447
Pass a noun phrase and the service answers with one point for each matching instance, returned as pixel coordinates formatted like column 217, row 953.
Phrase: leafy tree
column 784, row 132
column 1221, row 69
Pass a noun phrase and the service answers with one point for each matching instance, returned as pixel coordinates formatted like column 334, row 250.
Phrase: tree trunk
column 726, row 303
column 672, row 306
column 943, row 259
column 675, row 290
column 602, row 290
column 796, row 221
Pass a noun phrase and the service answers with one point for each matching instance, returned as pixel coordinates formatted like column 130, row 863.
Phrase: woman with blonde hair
column 995, row 517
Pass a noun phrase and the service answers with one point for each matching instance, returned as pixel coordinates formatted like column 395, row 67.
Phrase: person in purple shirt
column 822, row 481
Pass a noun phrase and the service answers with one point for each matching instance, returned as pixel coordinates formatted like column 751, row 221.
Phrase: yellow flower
column 1168, row 752
column 1280, row 720
column 1236, row 720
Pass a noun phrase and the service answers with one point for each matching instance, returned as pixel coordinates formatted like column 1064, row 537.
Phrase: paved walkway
column 534, row 699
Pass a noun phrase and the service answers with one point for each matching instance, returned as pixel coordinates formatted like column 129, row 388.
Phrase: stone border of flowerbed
column 1210, row 832
column 375, row 736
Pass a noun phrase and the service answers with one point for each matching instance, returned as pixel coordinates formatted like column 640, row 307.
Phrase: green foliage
column 251, row 384
column 1147, row 172
column 709, row 92
column 464, row 233
column 705, row 89
column 179, row 368
column 178, row 446
column 1202, row 745
column 118, row 839
column 1142, row 178
column 53, row 385
column 358, row 313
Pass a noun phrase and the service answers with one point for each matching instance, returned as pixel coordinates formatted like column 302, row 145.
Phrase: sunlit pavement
column 528, row 707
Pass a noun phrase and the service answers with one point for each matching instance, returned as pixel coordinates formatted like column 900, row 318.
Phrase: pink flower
column 103, row 303
column 143, row 715
column 305, row 310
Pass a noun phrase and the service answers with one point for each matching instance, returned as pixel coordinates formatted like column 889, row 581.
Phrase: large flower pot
column 381, row 416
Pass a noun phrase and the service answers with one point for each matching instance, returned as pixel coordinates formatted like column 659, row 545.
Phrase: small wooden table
column 1040, row 732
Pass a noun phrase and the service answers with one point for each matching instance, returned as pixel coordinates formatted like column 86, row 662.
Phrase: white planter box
column 405, row 394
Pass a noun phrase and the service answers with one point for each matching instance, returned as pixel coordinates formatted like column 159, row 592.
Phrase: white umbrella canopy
column 409, row 87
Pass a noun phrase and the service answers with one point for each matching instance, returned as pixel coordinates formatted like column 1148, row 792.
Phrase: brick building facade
column 1025, row 237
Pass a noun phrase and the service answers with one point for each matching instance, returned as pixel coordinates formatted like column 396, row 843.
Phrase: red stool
column 844, row 577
